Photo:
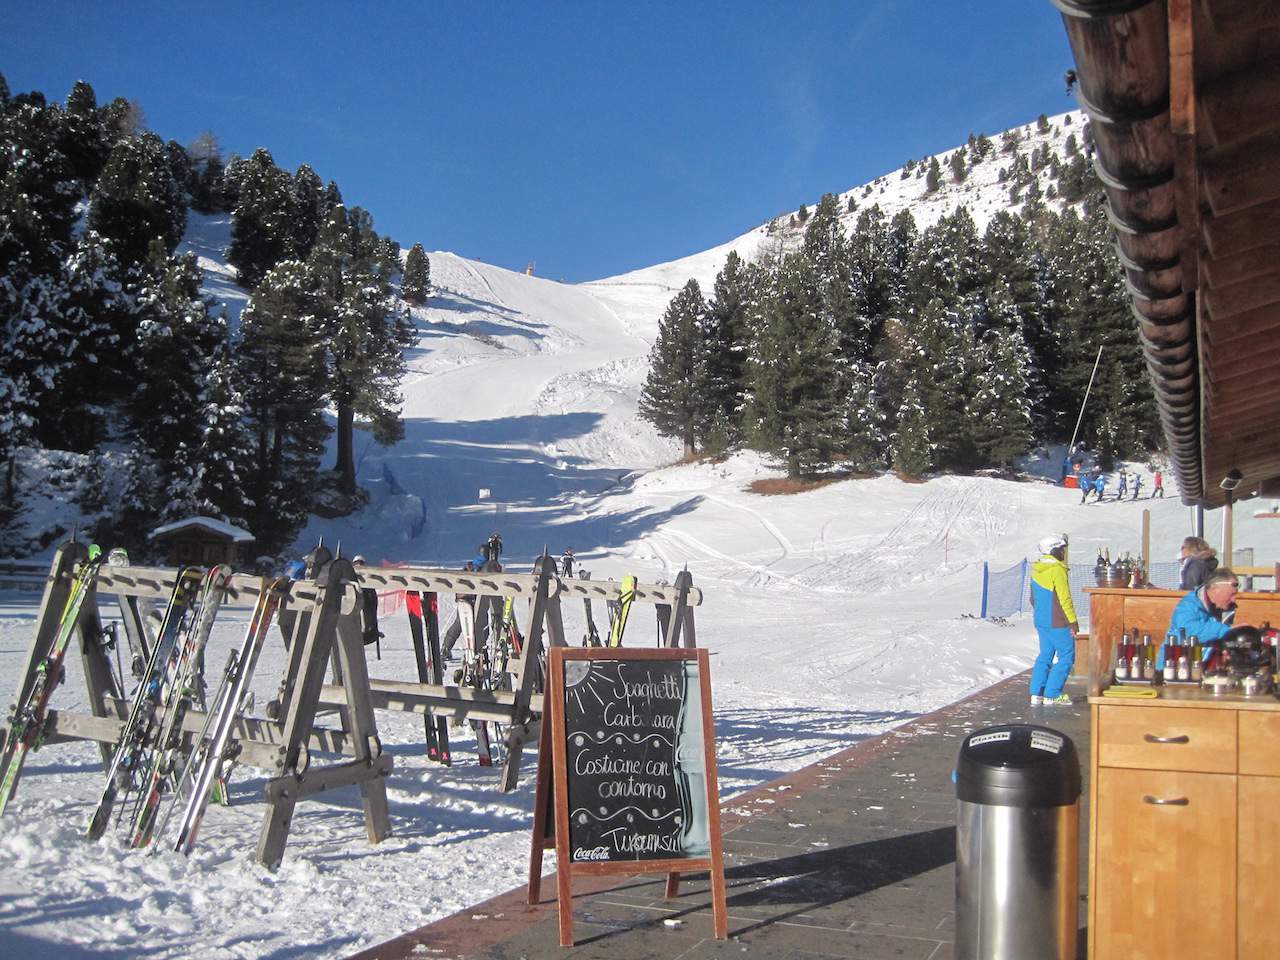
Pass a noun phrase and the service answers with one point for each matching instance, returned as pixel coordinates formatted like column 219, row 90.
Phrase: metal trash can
column 1017, row 844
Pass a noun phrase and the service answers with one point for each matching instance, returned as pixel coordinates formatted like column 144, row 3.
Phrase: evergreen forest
column 878, row 345
column 111, row 350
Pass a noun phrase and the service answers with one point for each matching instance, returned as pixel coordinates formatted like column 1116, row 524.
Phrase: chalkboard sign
column 630, row 784
column 636, row 760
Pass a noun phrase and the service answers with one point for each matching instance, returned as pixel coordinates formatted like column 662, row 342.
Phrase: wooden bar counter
column 1114, row 611
column 1184, row 818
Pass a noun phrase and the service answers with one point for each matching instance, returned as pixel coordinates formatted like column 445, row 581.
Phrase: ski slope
column 831, row 616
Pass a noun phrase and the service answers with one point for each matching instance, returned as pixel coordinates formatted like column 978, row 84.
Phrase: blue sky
column 590, row 137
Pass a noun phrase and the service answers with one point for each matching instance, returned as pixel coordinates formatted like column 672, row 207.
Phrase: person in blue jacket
column 1100, row 484
column 1056, row 623
column 1205, row 613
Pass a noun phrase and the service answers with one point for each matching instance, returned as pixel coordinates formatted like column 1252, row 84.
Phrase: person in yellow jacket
column 1056, row 623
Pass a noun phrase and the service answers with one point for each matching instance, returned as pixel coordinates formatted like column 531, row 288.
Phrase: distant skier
column 491, row 549
column 1100, row 485
column 1137, row 483
column 1122, row 485
column 1086, row 488
column 566, row 562
column 1157, row 486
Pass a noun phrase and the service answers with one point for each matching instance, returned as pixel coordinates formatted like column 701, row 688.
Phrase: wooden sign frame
column 551, row 799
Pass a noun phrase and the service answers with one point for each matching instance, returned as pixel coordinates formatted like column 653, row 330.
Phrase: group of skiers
column 1127, row 484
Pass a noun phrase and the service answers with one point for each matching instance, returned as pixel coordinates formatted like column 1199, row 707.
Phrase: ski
column 27, row 718
column 626, row 594
column 185, row 685
column 204, row 768
column 124, row 758
column 424, row 611
column 592, row 637
column 472, row 671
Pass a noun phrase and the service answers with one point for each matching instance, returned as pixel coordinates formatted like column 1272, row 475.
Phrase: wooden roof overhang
column 1184, row 96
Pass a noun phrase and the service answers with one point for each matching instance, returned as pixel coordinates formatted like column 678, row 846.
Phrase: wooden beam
column 1257, row 262
column 1242, row 176
column 1241, row 230
column 1260, row 322
column 1240, row 105
column 1239, row 297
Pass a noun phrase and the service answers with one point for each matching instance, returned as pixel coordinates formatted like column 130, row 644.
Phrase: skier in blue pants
column 1056, row 623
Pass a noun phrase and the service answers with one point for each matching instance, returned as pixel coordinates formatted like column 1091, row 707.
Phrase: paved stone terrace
column 851, row 857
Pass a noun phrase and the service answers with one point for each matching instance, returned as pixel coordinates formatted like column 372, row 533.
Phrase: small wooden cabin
column 202, row 541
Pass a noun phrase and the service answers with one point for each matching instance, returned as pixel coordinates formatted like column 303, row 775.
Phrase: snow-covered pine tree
column 136, row 199
column 912, row 444
column 177, row 340
column 224, row 449
column 1001, row 409
column 84, row 140
column 262, row 228
column 794, row 409
column 310, row 210
column 38, row 190
column 726, row 344
column 362, row 331
column 280, row 366
column 96, row 320
column 415, row 286
column 673, row 397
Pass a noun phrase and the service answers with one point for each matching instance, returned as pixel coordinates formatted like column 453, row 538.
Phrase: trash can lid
column 1018, row 765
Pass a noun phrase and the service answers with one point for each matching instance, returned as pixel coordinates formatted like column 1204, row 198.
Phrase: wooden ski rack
column 324, row 624
column 320, row 621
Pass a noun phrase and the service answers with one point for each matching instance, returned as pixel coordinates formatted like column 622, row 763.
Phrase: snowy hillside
column 831, row 615
column 640, row 296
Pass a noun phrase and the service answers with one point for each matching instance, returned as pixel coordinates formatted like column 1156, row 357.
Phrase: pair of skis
column 205, row 765
column 424, row 610
column 618, row 614
column 475, row 674
column 30, row 711
column 184, row 684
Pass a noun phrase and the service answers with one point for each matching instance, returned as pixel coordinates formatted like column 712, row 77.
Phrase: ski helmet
column 1051, row 543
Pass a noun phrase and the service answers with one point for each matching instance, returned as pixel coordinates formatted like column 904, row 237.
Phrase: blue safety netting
column 1005, row 592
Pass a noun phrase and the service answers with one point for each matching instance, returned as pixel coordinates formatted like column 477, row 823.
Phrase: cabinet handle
column 1172, row 802
column 1152, row 738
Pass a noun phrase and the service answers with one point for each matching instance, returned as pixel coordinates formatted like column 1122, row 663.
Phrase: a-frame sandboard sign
column 627, row 772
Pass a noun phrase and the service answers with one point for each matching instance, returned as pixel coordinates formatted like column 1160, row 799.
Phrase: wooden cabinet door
column 1259, row 856
column 1166, row 866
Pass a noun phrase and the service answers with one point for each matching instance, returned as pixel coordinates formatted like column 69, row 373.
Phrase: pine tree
column 177, row 339
column 416, row 285
column 933, row 179
column 38, row 190
column 137, row 199
column 310, row 210
column 958, row 165
column 84, row 140
column 672, row 398
column 262, row 228
column 280, row 366
column 725, row 346
column 794, row 410
column 363, row 332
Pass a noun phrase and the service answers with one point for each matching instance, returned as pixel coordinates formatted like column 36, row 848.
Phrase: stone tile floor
column 853, row 856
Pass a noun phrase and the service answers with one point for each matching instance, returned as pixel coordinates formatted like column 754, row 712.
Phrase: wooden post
column 530, row 664
column 299, row 710
column 1146, row 544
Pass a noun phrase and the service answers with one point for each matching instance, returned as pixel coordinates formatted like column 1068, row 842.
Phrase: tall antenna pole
column 1075, row 433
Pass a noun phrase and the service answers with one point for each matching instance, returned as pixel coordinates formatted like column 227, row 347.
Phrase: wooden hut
column 202, row 541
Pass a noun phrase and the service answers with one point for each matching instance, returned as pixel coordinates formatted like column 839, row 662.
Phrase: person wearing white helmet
column 1055, row 620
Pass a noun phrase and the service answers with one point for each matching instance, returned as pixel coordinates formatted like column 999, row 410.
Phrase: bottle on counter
column 1183, row 670
column 1170, row 671
column 1197, row 655
column 1122, row 659
column 1148, row 658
